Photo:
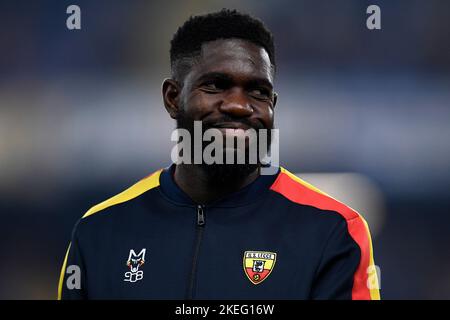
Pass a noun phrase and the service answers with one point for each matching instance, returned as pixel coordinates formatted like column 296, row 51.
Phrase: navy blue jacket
column 277, row 238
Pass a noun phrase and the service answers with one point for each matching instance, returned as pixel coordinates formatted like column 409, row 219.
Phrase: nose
column 236, row 104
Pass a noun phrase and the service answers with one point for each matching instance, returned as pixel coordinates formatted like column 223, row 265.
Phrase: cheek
column 266, row 114
column 199, row 103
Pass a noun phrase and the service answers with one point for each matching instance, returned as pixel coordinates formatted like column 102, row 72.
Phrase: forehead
column 235, row 57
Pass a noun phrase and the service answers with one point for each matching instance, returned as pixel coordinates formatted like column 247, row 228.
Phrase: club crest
column 258, row 265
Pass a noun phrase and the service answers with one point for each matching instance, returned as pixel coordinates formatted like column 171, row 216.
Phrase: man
column 220, row 231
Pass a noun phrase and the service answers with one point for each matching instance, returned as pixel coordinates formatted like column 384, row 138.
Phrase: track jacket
column 277, row 238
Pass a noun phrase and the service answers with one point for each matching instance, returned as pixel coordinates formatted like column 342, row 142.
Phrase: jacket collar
column 247, row 195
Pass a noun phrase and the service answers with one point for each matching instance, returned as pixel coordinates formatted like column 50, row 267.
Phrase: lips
column 232, row 129
column 231, row 125
column 239, row 131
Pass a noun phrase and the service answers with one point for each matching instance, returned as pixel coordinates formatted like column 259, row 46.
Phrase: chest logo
column 258, row 265
column 135, row 263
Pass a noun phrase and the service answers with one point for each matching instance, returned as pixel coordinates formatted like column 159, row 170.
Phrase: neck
column 204, row 186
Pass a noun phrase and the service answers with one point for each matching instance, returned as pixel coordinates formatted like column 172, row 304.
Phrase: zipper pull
column 200, row 216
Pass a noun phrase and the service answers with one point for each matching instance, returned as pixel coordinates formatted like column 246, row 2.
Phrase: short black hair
column 225, row 24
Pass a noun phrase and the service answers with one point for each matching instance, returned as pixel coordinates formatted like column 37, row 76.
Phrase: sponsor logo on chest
column 135, row 263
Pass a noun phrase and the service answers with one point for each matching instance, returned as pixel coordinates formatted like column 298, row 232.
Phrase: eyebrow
column 214, row 76
column 260, row 82
column 225, row 77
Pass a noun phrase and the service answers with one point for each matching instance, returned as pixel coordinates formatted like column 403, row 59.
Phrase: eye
column 260, row 93
column 214, row 86
column 210, row 86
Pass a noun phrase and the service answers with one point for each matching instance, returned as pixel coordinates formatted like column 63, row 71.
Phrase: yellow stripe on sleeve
column 134, row 191
column 63, row 271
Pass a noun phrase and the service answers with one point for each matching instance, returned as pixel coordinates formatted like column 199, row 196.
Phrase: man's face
column 229, row 87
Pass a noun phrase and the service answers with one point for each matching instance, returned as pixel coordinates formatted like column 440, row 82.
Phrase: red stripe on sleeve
column 302, row 194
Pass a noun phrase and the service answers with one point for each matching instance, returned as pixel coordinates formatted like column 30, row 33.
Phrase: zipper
column 199, row 229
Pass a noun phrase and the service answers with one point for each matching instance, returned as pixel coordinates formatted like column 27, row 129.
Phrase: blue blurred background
column 81, row 118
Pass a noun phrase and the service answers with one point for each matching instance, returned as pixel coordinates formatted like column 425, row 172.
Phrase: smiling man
column 202, row 230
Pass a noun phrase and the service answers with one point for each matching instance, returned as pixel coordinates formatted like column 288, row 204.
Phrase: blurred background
column 364, row 114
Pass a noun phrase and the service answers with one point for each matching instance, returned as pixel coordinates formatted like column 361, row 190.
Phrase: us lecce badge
column 258, row 265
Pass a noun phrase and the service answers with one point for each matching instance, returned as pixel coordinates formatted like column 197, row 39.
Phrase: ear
column 171, row 96
column 275, row 99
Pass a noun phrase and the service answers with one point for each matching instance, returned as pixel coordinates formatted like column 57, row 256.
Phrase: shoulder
column 108, row 210
column 322, row 208
column 298, row 191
